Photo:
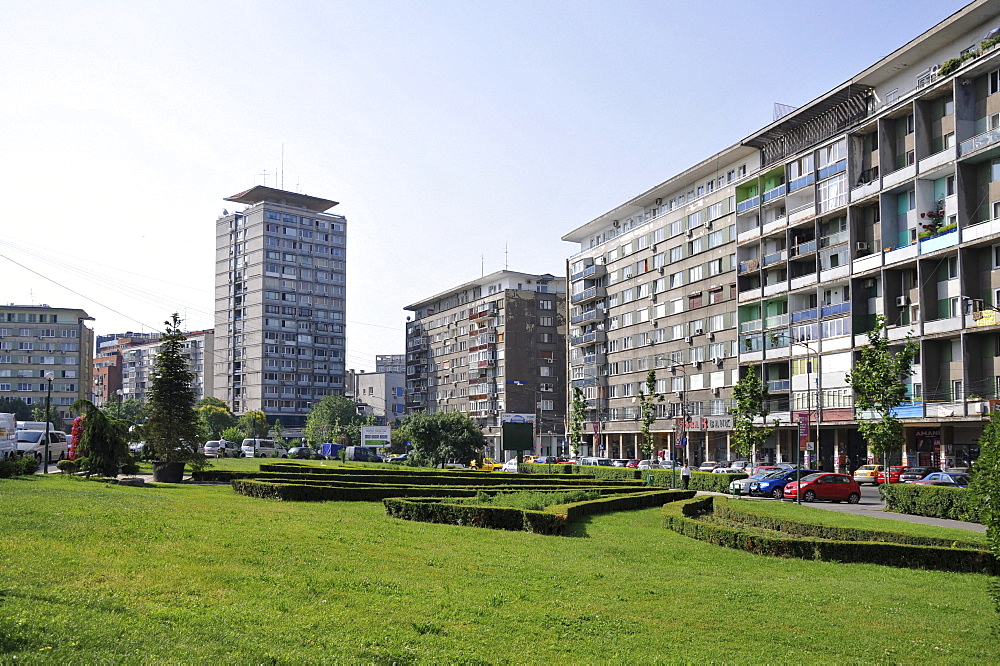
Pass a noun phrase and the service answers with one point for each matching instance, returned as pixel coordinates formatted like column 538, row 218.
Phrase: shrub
column 683, row 519
column 67, row 466
column 130, row 469
column 643, row 500
column 500, row 518
column 22, row 466
column 932, row 501
column 532, row 500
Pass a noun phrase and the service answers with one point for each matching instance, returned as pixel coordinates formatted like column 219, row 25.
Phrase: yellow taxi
column 867, row 474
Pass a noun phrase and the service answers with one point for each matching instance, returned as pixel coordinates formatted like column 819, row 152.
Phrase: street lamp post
column 48, row 421
column 119, row 393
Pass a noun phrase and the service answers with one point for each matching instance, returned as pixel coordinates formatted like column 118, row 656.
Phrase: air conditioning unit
column 548, row 360
column 708, row 225
column 715, row 392
column 902, row 301
column 861, row 246
column 652, row 297
column 661, row 269
column 687, row 339
column 696, row 364
column 690, row 233
column 659, row 201
column 616, row 224
column 698, row 331
column 711, row 336
column 719, row 362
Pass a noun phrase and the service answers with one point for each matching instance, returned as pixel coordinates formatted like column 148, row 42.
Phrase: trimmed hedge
column 683, row 519
column 404, row 478
column 323, row 491
column 498, row 518
column 932, row 501
column 628, row 502
column 742, row 512
column 706, row 481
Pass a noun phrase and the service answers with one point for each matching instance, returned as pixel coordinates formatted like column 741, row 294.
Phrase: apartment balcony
column 775, row 385
column 978, row 142
column 835, row 309
column 802, row 213
column 590, row 273
column 939, row 242
column 583, row 383
column 905, row 253
column 417, row 344
column 981, row 230
column 747, row 204
column 751, row 326
column 597, row 314
column 864, row 191
column 801, row 182
column 594, row 359
column 751, row 294
column 597, row 403
column 774, row 193
column 588, row 295
column 834, row 239
column 774, row 225
column 776, row 321
column 804, row 315
column 898, row 176
column 942, row 325
column 868, row 263
column 774, row 258
column 940, row 158
column 775, row 288
column 593, row 337
column 490, row 311
column 808, row 247
column 832, row 169
column 749, row 266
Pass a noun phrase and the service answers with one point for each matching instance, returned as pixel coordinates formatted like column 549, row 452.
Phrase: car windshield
column 867, row 468
column 961, row 479
column 777, row 475
column 811, row 477
column 29, row 435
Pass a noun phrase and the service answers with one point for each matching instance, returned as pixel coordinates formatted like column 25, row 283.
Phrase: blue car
column 773, row 485
column 955, row 480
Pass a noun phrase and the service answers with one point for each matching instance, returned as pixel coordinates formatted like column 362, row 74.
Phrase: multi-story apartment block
column 491, row 346
column 279, row 303
column 881, row 197
column 653, row 287
column 139, row 360
column 108, row 364
column 380, row 394
column 390, row 363
column 37, row 341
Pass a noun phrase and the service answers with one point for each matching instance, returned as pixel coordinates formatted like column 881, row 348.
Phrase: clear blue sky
column 447, row 130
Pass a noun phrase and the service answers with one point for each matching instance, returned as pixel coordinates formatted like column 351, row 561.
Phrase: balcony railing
column 834, row 239
column 836, row 309
column 588, row 338
column 593, row 271
column 778, row 384
column 751, row 326
column 747, row 204
column 804, row 315
column 775, row 321
column 832, row 169
column 588, row 295
column 979, row 141
column 774, row 193
column 802, row 248
column 801, row 182
column 749, row 265
column 590, row 315
column 774, row 257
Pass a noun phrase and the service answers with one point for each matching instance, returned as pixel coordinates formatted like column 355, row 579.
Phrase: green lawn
column 95, row 572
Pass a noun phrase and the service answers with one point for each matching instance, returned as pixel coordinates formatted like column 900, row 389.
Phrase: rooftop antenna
column 482, row 265
column 264, row 173
column 282, row 165
column 505, row 265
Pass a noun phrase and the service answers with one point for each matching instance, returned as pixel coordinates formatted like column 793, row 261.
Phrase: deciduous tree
column 751, row 397
column 648, row 397
column 986, row 486
column 577, row 416
column 442, row 435
column 330, row 417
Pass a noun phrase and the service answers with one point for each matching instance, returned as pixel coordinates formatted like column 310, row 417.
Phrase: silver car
column 744, row 484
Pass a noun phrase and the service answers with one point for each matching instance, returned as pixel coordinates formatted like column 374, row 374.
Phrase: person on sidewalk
column 685, row 475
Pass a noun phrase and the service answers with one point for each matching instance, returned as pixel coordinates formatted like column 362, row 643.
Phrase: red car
column 894, row 472
column 825, row 486
column 633, row 464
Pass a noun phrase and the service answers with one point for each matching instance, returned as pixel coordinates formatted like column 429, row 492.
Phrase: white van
column 34, row 425
column 262, row 448
column 603, row 462
column 33, row 442
column 8, row 436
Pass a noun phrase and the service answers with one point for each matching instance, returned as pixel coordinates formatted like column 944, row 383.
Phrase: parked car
column 32, row 442
column 773, row 485
column 302, row 452
column 709, row 465
column 741, row 465
column 825, row 486
column 397, row 458
column 619, row 462
column 727, row 470
column 600, row 462
column 648, row 464
column 262, row 448
column 894, row 472
column 510, row 466
column 633, row 463
column 911, row 474
column 547, row 460
column 767, row 469
column 220, row 448
column 743, row 485
column 955, row 480
column 486, row 465
column 867, row 474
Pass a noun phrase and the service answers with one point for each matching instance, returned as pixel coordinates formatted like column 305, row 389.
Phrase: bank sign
column 705, row 423
column 376, row 436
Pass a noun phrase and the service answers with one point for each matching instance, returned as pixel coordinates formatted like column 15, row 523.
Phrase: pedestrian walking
column 685, row 475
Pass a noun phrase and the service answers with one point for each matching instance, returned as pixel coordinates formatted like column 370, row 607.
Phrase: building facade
column 492, row 346
column 138, row 360
column 108, row 364
column 279, row 304
column 879, row 198
column 38, row 343
column 380, row 394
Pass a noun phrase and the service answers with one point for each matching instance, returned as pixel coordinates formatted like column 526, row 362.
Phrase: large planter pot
column 168, row 472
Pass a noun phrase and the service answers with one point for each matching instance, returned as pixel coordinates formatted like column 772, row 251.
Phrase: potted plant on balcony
column 935, row 220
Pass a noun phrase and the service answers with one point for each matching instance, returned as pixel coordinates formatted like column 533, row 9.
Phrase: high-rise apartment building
column 108, row 364
column 279, row 303
column 491, row 346
column 880, row 197
column 139, row 360
column 37, row 341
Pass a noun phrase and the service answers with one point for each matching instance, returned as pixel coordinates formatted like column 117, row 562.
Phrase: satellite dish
column 225, row 212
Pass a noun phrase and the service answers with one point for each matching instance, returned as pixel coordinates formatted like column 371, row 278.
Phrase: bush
column 67, row 466
column 22, row 466
column 130, row 469
column 531, row 500
column 683, row 519
column 932, row 501
column 499, row 518
column 643, row 500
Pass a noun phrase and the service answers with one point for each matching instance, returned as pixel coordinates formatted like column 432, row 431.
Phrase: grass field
column 95, row 572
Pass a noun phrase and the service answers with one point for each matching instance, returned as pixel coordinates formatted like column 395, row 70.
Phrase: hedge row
column 628, row 502
column 320, row 491
column 932, row 501
column 682, row 518
column 742, row 512
column 498, row 518
column 706, row 481
column 420, row 479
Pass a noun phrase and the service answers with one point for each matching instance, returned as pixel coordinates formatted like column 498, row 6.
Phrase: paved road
column 871, row 505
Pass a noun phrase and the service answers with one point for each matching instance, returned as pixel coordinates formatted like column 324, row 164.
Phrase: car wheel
column 778, row 493
column 809, row 496
column 284, row 456
column 853, row 498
